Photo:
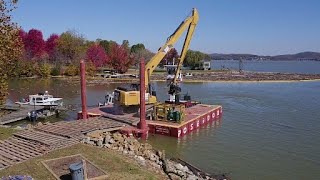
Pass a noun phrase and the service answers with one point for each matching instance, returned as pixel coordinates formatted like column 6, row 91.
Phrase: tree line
column 60, row 54
column 28, row 53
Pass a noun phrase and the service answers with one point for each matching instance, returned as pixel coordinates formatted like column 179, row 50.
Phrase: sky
column 263, row 27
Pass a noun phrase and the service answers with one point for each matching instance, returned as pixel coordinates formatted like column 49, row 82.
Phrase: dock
column 42, row 139
column 17, row 113
column 194, row 117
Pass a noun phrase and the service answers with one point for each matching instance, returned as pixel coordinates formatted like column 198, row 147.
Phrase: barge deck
column 194, row 117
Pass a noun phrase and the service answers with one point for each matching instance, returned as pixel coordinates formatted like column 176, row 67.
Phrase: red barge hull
column 195, row 117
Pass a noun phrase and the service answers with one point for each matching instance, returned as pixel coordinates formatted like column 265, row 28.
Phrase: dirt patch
column 60, row 167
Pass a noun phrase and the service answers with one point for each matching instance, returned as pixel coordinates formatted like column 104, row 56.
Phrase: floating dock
column 194, row 117
column 17, row 113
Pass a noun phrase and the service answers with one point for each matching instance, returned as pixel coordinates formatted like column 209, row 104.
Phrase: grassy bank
column 6, row 132
column 116, row 165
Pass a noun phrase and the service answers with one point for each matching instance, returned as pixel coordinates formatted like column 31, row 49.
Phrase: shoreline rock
column 143, row 154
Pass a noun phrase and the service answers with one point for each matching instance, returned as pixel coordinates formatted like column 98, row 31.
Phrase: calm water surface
column 312, row 67
column 268, row 130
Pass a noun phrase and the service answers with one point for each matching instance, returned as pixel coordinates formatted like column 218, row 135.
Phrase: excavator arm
column 190, row 23
column 125, row 97
column 185, row 47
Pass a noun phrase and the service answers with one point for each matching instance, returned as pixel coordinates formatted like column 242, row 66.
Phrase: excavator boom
column 190, row 23
column 126, row 97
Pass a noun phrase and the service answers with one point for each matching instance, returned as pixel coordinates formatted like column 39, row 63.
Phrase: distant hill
column 303, row 56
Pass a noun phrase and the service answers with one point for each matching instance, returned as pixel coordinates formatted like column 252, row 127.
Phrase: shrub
column 71, row 70
column 44, row 70
column 24, row 68
column 56, row 71
column 90, row 69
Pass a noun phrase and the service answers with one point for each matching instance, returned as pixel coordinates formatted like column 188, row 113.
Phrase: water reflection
column 174, row 146
column 270, row 130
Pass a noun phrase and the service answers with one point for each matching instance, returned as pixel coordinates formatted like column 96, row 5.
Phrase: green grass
column 115, row 165
column 6, row 132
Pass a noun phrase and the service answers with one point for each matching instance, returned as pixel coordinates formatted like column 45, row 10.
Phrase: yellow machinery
column 169, row 112
column 131, row 96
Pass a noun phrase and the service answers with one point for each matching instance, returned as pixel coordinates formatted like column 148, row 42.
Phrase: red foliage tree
column 96, row 55
column 51, row 46
column 34, row 44
column 120, row 60
column 170, row 56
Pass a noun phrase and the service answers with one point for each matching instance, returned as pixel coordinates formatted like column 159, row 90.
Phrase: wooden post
column 142, row 124
column 85, row 175
column 83, row 90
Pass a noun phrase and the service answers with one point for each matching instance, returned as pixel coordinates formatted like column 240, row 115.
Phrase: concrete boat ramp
column 42, row 139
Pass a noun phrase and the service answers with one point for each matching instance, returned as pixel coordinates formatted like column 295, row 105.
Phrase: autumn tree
column 170, row 57
column 107, row 45
column 96, row 55
column 146, row 54
column 10, row 45
column 72, row 46
column 34, row 44
column 51, row 47
column 22, row 35
column 119, row 59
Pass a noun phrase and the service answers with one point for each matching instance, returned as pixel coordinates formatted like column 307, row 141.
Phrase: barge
column 194, row 117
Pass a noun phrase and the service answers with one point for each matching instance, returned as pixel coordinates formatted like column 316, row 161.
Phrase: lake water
column 268, row 130
column 271, row 66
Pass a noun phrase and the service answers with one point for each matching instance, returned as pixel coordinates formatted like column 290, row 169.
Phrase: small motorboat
column 41, row 99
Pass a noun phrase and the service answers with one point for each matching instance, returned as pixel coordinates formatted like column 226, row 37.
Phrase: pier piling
column 142, row 124
column 83, row 89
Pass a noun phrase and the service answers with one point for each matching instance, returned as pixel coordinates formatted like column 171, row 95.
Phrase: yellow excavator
column 131, row 96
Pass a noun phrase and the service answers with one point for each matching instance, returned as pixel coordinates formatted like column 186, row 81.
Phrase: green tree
column 137, row 51
column 72, row 47
column 44, row 69
column 10, row 45
column 126, row 45
column 106, row 45
column 194, row 59
column 137, row 47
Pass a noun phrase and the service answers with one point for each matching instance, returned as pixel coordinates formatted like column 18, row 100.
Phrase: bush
column 71, row 70
column 90, row 69
column 56, row 71
column 44, row 70
column 24, row 68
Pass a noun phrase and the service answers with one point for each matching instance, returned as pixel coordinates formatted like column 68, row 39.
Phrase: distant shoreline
column 205, row 76
column 302, row 56
column 265, row 60
column 226, row 77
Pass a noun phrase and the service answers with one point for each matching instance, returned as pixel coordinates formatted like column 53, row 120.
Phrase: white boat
column 41, row 99
column 109, row 99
